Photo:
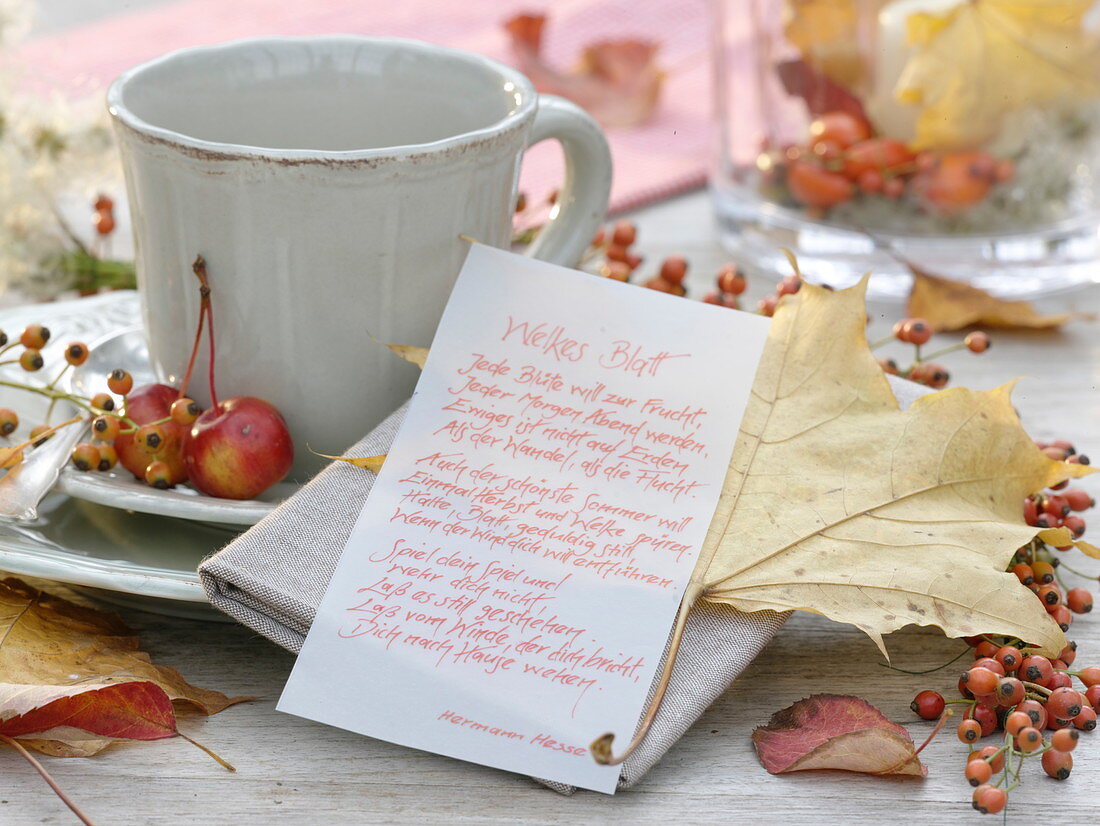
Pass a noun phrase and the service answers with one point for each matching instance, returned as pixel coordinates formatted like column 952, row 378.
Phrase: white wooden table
column 291, row 771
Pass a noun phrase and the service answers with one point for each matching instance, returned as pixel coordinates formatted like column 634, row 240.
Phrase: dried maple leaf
column 54, row 644
column 135, row 710
column 834, row 731
column 618, row 82
column 983, row 59
column 826, row 33
column 818, row 92
column 954, row 305
column 839, row 503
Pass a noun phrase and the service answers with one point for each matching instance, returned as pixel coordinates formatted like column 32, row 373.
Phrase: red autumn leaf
column 618, row 82
column 835, row 731
column 820, row 93
column 135, row 710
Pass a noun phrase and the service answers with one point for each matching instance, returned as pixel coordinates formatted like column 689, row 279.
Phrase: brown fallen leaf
column 51, row 648
column 618, row 82
column 953, row 305
column 835, row 731
column 839, row 503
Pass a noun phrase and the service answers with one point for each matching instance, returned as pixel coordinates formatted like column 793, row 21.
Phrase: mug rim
column 226, row 150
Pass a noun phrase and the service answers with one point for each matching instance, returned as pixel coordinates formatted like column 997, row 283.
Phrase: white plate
column 129, row 558
column 118, row 488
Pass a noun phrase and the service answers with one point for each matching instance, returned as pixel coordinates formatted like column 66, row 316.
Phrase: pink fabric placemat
column 666, row 155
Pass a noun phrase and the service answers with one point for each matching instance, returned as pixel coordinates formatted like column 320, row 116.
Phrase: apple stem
column 206, row 318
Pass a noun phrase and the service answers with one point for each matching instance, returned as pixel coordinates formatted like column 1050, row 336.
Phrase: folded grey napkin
column 273, row 576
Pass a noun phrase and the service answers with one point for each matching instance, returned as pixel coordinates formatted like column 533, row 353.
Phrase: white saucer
column 133, row 559
column 118, row 488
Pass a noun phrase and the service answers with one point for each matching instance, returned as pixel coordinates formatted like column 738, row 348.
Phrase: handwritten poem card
column 507, row 592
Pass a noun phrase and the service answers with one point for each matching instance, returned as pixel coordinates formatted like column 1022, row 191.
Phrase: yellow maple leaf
column 839, row 503
column 983, row 59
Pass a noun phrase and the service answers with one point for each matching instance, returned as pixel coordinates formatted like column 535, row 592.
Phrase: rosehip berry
column 1078, row 499
column 1057, row 764
column 840, row 128
column 1051, row 594
column 1044, row 572
column 969, row 731
column 980, row 680
column 1086, row 720
column 1061, row 615
column 106, row 428
column 616, row 271
column 1010, row 691
column 977, row 342
column 1092, row 696
column 985, row 649
column 184, row 411
column 120, row 382
column 1056, row 505
column 1009, row 657
column 1016, row 722
column 108, row 456
column 889, row 366
column 767, row 305
column 1035, row 669
column 42, row 431
column 730, row 280
column 616, row 253
column 989, row 800
column 1024, row 573
column 986, row 717
column 31, row 360
column 1064, row 703
column 158, row 475
column 928, row 705
column 1059, row 679
column 1065, row 739
column 1079, row 600
column 1089, row 676
column 1029, row 739
column 1031, row 510
column 624, row 234
column 102, row 401
column 1069, row 653
column 673, row 269
column 978, row 772
column 1075, row 524
column 918, row 331
column 991, row 755
column 1036, row 711
column 9, row 421
column 76, row 353
column 34, row 337
column 86, row 456
column 789, row 285
column 150, row 437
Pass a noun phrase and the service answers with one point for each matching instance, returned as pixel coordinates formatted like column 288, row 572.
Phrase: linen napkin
column 273, row 576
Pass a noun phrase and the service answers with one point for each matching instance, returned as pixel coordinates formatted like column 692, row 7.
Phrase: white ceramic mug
column 326, row 181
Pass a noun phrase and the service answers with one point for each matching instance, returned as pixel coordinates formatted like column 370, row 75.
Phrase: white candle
column 891, row 53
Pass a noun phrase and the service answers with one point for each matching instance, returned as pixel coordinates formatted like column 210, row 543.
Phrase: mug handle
column 582, row 201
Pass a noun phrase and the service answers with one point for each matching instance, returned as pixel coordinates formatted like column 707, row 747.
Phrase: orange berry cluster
column 918, row 332
column 1012, row 689
column 843, row 158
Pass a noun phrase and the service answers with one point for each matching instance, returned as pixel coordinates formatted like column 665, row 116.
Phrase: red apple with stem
column 239, row 447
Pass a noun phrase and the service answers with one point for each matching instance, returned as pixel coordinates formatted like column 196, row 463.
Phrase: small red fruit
column 813, row 185
column 238, row 449
column 1057, row 764
column 928, row 705
column 841, row 128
